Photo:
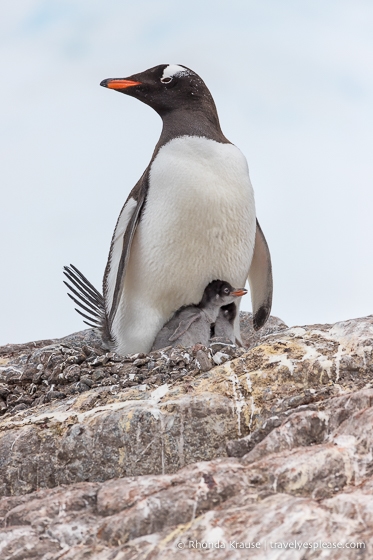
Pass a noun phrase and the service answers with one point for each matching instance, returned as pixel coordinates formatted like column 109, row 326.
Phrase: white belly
column 198, row 225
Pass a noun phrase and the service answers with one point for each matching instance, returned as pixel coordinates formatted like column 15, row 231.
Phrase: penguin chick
column 224, row 324
column 192, row 324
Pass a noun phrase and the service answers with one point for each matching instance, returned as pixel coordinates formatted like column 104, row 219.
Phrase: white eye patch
column 174, row 70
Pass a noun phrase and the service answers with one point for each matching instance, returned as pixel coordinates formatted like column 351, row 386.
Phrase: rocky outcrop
column 191, row 451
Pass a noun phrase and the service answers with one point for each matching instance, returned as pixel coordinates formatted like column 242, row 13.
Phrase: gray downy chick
column 192, row 324
column 224, row 324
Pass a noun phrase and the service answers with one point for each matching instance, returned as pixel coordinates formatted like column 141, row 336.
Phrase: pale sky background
column 293, row 84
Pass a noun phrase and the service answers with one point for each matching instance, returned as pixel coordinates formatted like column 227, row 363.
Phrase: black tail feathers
column 85, row 295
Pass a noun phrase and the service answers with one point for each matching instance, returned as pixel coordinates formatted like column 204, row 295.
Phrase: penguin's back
column 187, row 327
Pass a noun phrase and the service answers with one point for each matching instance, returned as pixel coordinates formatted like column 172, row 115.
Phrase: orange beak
column 118, row 84
column 239, row 292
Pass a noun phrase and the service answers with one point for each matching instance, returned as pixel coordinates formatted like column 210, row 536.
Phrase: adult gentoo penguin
column 192, row 324
column 189, row 220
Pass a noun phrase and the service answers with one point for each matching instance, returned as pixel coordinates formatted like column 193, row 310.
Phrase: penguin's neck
column 202, row 122
column 211, row 310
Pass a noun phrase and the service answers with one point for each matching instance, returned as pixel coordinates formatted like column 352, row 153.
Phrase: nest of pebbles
column 39, row 373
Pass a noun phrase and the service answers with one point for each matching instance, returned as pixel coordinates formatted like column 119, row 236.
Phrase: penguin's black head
column 220, row 293
column 165, row 88
column 229, row 312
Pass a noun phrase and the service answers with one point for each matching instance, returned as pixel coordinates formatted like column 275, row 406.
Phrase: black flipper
column 260, row 279
column 115, row 272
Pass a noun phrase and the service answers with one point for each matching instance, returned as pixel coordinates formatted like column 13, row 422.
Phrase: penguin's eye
column 226, row 290
column 166, row 80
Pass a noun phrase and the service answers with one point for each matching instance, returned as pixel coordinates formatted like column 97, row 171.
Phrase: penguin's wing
column 121, row 245
column 184, row 326
column 260, row 280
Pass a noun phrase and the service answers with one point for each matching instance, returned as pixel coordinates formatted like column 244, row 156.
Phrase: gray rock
column 250, row 337
column 140, row 461
column 318, row 494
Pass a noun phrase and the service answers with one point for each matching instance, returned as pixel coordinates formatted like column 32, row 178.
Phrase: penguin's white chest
column 199, row 220
column 198, row 225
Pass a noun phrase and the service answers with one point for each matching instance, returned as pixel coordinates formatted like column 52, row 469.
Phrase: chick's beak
column 239, row 292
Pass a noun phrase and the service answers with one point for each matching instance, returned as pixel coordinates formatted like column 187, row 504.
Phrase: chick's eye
column 166, row 80
column 226, row 291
